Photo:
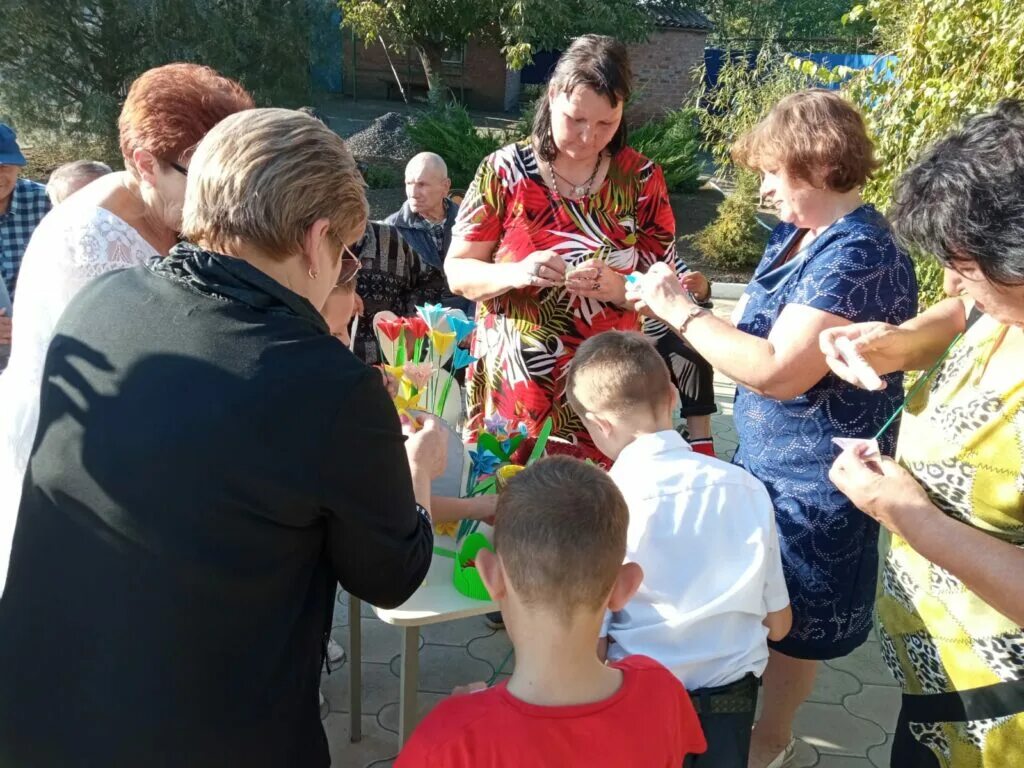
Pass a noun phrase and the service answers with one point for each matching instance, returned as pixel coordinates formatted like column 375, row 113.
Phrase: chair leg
column 410, row 675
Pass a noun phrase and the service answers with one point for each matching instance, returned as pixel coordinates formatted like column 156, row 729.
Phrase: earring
column 312, row 274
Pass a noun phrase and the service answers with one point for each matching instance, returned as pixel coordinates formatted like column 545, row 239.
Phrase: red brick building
column 663, row 69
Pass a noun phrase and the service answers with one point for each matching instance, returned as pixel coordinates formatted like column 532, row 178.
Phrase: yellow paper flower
column 405, row 404
column 506, row 473
column 441, row 342
column 447, row 529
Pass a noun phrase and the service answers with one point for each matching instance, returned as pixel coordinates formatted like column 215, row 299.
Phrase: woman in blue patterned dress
column 831, row 261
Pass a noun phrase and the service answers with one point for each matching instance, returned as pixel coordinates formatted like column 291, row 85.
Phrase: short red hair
column 170, row 108
column 807, row 134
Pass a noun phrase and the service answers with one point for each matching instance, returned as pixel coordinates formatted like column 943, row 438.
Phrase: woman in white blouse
column 118, row 221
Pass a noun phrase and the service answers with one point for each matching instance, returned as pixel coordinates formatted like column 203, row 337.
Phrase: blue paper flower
column 432, row 314
column 461, row 326
column 462, row 358
column 483, row 463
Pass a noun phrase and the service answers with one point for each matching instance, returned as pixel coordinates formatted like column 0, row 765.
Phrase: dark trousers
column 726, row 714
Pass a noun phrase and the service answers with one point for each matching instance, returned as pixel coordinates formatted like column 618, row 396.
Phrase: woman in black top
column 209, row 463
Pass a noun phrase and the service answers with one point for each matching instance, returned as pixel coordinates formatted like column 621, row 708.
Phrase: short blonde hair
column 617, row 372
column 264, row 176
column 807, row 133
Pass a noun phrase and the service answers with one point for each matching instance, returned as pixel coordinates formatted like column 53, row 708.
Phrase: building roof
column 674, row 16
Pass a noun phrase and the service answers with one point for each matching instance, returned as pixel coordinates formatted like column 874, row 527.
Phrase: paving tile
column 830, row 729
column 493, row 649
column 379, row 688
column 881, row 756
column 388, row 716
column 878, row 703
column 866, row 665
column 455, row 632
column 831, row 686
column 804, row 756
column 381, row 642
column 840, row 761
column 376, row 745
column 443, row 667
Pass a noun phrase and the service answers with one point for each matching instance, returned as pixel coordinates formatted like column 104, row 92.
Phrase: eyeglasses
column 179, row 168
column 350, row 266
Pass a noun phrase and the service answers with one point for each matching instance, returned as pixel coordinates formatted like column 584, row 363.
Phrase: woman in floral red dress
column 545, row 236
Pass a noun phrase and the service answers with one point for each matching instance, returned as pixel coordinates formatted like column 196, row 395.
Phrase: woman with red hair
column 118, row 221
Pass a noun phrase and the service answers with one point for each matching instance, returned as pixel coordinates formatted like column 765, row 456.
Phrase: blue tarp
column 714, row 58
column 325, row 49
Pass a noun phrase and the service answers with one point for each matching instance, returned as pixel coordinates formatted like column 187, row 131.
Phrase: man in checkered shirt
column 23, row 204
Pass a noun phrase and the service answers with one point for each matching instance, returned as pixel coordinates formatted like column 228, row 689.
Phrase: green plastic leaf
column 488, row 442
column 542, row 441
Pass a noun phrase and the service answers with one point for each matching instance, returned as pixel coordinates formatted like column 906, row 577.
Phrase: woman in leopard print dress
column 951, row 607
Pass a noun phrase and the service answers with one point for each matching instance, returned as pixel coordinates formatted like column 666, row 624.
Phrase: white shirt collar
column 651, row 444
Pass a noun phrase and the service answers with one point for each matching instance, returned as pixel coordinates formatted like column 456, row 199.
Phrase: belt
column 735, row 698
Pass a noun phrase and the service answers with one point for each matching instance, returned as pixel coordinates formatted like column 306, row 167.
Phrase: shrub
column 448, row 131
column 734, row 239
column 383, row 177
column 66, row 67
column 950, row 59
column 673, row 143
column 45, row 153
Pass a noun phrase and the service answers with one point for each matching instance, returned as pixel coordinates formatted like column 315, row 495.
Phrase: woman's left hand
column 594, row 279
column 882, row 489
column 658, row 292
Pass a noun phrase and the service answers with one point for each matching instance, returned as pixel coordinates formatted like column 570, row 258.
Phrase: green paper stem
column 917, row 385
column 542, row 441
column 444, row 396
column 400, row 352
column 444, row 552
column 418, row 349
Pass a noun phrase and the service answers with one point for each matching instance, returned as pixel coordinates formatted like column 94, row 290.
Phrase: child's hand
column 461, row 690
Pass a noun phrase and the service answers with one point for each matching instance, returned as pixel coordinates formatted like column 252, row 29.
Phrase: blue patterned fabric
column 829, row 548
column 29, row 204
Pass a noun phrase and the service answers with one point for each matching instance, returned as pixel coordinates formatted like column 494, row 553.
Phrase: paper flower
column 463, row 358
column 495, row 423
column 446, row 529
column 416, row 327
column 441, row 342
column 460, row 326
column 432, row 315
column 484, row 463
column 391, row 328
column 418, row 374
column 405, row 404
column 397, row 372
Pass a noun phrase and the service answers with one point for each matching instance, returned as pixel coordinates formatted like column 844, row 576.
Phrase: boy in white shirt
column 704, row 533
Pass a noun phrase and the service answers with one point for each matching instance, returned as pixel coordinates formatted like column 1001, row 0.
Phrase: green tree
column 66, row 65
column 748, row 22
column 951, row 59
column 521, row 27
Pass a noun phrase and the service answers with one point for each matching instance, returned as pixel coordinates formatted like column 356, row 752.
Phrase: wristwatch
column 694, row 311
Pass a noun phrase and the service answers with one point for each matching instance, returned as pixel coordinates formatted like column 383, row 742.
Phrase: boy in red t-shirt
column 560, row 538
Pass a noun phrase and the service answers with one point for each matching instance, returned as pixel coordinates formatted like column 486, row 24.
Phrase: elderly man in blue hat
column 23, row 204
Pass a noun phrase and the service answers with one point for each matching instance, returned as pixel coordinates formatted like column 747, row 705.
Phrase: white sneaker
column 335, row 653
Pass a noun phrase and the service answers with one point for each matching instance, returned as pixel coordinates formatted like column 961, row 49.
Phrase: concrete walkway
column 847, row 722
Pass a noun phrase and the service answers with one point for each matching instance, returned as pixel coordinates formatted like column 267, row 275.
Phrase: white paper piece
column 737, row 313
column 845, row 443
column 352, row 333
column 858, row 364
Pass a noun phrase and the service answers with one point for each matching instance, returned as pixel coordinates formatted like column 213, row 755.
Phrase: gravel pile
column 385, row 137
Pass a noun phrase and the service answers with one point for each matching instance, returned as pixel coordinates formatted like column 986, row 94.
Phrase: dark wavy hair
column 963, row 201
column 597, row 62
